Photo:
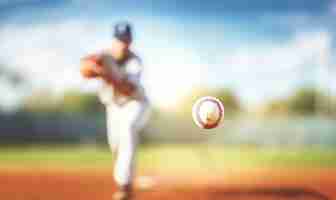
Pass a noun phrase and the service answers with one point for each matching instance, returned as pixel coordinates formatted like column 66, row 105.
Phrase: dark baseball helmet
column 123, row 32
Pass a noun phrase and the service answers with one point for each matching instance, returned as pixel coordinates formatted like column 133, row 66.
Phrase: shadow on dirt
column 269, row 193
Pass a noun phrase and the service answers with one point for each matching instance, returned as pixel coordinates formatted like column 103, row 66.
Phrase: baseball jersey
column 131, row 68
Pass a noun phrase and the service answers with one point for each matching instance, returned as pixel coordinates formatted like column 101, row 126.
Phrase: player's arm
column 117, row 79
column 90, row 66
column 126, row 82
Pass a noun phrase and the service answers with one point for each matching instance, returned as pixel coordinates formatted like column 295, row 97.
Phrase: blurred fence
column 79, row 129
column 44, row 128
column 293, row 131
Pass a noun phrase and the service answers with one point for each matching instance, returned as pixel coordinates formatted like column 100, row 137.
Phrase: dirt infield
column 94, row 185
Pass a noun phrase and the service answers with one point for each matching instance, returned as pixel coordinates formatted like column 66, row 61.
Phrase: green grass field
column 169, row 157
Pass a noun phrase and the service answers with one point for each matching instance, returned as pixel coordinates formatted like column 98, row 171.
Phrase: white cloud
column 266, row 71
column 49, row 55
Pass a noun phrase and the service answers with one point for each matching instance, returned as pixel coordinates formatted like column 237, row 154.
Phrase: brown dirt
column 259, row 184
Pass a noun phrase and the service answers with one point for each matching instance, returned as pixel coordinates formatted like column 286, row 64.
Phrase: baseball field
column 170, row 172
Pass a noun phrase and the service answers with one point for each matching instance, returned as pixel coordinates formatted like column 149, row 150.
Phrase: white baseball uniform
column 125, row 115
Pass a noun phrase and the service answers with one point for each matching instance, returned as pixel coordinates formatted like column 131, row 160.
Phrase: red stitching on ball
column 209, row 126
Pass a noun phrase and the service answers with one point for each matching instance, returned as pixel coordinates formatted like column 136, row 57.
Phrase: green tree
column 226, row 96
column 42, row 101
column 276, row 107
column 229, row 99
column 304, row 101
column 71, row 102
column 76, row 102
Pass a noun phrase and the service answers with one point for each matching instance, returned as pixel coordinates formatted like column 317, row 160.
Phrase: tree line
column 303, row 101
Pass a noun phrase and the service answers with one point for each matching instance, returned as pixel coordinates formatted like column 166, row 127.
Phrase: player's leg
column 125, row 161
column 114, row 121
column 124, row 164
column 141, row 114
column 113, row 126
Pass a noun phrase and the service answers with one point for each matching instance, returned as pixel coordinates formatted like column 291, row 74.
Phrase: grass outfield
column 170, row 157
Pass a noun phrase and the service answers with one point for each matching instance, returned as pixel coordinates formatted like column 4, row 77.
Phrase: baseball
column 208, row 112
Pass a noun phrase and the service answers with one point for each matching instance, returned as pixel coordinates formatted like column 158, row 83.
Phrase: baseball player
column 124, row 98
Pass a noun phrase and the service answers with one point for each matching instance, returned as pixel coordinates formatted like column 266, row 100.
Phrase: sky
column 260, row 49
